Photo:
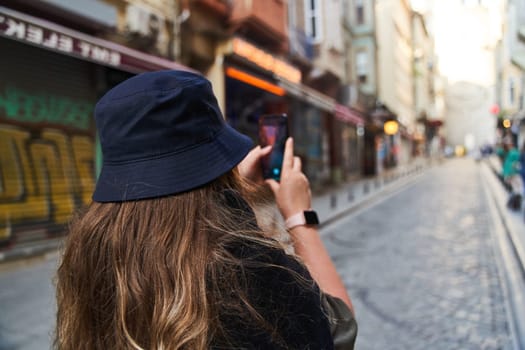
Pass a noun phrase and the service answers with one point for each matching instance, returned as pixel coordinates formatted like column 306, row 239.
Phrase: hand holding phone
column 273, row 130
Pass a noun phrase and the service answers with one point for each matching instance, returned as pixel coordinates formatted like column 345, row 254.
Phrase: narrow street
column 421, row 266
column 27, row 303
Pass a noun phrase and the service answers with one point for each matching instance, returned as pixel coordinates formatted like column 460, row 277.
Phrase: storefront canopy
column 50, row 36
column 519, row 60
column 308, row 95
column 321, row 101
column 348, row 115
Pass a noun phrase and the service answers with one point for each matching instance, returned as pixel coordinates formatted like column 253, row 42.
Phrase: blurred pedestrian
column 169, row 254
column 522, row 164
column 511, row 174
column 500, row 152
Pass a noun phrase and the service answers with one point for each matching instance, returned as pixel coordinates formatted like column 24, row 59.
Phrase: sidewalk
column 349, row 197
column 330, row 205
column 514, row 221
column 510, row 236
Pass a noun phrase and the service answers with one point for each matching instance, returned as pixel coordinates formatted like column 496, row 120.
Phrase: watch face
column 311, row 217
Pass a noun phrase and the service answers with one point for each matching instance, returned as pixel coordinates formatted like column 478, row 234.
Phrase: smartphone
column 273, row 130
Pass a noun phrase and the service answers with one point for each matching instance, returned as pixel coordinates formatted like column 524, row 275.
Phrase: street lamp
column 391, row 127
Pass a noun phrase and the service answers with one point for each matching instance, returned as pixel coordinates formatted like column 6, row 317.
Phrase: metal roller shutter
column 46, row 140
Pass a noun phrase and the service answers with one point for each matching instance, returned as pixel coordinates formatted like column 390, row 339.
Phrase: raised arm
column 293, row 196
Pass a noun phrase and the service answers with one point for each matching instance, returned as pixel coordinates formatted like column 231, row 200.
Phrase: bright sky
column 464, row 37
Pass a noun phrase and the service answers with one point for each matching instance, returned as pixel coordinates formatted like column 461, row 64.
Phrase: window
column 313, row 25
column 359, row 12
column 292, row 20
column 522, row 94
column 511, row 91
column 361, row 66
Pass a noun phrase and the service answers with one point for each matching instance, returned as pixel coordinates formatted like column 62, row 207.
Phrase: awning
column 519, row 60
column 521, row 32
column 50, row 36
column 321, row 101
column 308, row 95
column 435, row 122
column 348, row 115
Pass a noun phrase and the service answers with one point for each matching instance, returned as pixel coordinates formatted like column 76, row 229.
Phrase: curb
column 511, row 252
column 513, row 222
column 350, row 197
column 29, row 250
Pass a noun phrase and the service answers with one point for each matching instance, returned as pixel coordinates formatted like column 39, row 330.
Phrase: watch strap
column 307, row 217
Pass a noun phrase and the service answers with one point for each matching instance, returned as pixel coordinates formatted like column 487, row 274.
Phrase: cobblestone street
column 421, row 266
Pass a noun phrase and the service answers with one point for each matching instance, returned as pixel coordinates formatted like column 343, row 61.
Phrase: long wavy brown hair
column 150, row 274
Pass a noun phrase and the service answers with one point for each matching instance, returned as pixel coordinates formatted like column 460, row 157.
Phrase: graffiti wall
column 46, row 162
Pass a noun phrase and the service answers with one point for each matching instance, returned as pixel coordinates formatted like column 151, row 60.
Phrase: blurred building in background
column 428, row 116
column 361, row 66
column 510, row 83
column 396, row 83
column 466, row 36
column 356, row 78
column 405, row 56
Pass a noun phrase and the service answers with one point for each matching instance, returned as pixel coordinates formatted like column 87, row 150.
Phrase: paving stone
column 420, row 266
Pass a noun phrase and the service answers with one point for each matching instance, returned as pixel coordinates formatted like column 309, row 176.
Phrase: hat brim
column 174, row 173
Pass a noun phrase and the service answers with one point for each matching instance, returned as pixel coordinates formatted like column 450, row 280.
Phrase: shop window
column 313, row 20
column 359, row 11
column 361, row 62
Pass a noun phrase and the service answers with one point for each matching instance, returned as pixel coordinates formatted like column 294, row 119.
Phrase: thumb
column 265, row 150
column 274, row 185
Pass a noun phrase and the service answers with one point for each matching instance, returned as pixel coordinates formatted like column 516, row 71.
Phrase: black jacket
column 282, row 291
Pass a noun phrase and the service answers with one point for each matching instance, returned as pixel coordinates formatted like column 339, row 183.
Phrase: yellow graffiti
column 18, row 197
column 84, row 158
column 12, row 140
column 66, row 176
column 43, row 179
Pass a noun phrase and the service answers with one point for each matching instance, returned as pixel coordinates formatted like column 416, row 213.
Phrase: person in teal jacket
column 522, row 163
column 511, row 162
column 511, row 174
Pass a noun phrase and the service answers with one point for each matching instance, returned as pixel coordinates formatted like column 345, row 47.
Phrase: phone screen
column 273, row 130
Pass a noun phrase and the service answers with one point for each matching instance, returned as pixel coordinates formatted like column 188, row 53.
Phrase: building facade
column 395, row 72
column 317, row 61
column 466, row 37
column 428, row 120
column 511, row 72
column 361, row 87
column 59, row 63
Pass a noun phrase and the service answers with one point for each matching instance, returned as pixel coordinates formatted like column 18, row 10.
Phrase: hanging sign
column 39, row 36
column 40, row 33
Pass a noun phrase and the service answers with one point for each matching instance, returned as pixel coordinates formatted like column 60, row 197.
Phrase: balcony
column 518, row 59
column 262, row 21
column 301, row 45
column 221, row 8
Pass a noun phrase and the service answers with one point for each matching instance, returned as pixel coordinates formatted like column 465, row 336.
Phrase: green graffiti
column 44, row 108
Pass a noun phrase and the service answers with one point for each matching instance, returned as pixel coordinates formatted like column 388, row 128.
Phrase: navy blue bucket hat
column 163, row 133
